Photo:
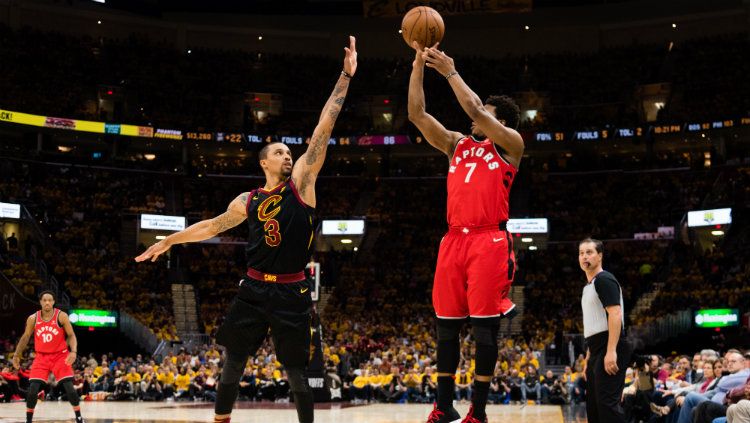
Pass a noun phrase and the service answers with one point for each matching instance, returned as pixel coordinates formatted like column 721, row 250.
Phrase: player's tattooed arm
column 236, row 213
column 309, row 164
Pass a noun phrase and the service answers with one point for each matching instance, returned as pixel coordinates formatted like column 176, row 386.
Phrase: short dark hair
column 263, row 154
column 505, row 109
column 43, row 293
column 597, row 244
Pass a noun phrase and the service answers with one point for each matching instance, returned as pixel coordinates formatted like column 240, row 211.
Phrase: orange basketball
column 424, row 25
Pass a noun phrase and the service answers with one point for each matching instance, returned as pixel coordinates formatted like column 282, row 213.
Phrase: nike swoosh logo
column 303, row 290
column 255, row 198
column 497, row 239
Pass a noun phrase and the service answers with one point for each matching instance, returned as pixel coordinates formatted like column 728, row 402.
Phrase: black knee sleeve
column 230, row 379
column 70, row 392
column 485, row 335
column 31, row 398
column 448, row 348
column 297, row 379
column 303, row 397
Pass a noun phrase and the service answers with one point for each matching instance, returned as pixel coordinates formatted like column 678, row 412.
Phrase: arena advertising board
column 162, row 223
column 10, row 211
column 343, row 227
column 528, row 226
column 709, row 217
column 606, row 133
column 717, row 318
column 93, row 318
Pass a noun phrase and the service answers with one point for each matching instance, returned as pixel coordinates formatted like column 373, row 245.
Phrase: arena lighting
column 149, row 156
column 260, row 38
column 160, row 237
column 346, row 241
column 63, row 148
column 717, row 233
column 674, row 25
column 526, row 27
column 98, row 22
column 532, row 247
column 356, row 249
column 526, row 240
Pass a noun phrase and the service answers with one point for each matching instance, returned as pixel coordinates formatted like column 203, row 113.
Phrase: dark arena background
column 123, row 121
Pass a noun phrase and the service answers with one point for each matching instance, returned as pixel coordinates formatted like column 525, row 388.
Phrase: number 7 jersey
column 479, row 182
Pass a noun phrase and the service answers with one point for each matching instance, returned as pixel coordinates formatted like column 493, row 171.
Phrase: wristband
column 346, row 74
column 451, row 74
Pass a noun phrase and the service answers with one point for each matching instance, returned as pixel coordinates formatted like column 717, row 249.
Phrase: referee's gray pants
column 604, row 391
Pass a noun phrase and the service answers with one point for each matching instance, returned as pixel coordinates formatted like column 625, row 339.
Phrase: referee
column 608, row 352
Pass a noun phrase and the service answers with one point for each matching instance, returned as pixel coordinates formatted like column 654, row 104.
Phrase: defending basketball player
column 52, row 334
column 475, row 264
column 274, row 292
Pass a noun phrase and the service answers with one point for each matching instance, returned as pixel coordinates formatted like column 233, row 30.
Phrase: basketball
column 424, row 25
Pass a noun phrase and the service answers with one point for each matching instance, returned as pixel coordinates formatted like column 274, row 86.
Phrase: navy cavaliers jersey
column 281, row 230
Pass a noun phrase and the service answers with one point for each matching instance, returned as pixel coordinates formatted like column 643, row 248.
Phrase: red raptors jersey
column 49, row 337
column 479, row 182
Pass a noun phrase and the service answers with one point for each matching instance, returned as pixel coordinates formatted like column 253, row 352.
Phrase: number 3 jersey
column 479, row 182
column 49, row 337
column 281, row 230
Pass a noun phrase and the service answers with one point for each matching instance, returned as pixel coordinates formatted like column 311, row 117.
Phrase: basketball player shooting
column 274, row 292
column 475, row 263
column 52, row 334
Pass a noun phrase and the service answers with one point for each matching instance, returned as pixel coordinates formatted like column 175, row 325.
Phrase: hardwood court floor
column 184, row 412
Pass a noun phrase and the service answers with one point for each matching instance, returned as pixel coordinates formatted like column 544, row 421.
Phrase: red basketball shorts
column 474, row 272
column 46, row 363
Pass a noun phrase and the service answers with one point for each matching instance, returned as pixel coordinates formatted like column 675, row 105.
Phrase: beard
column 286, row 172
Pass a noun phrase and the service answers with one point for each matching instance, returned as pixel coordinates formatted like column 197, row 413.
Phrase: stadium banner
column 709, row 217
column 10, row 211
column 398, row 8
column 162, row 223
column 717, row 318
column 93, row 318
column 21, row 118
column 75, row 124
column 343, row 227
column 528, row 226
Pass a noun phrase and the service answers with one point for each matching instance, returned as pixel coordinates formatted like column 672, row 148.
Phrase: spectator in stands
column 737, row 378
column 463, row 384
column 531, row 384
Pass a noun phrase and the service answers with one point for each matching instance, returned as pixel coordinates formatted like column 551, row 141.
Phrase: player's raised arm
column 509, row 139
column 236, row 213
column 433, row 131
column 24, row 341
column 309, row 164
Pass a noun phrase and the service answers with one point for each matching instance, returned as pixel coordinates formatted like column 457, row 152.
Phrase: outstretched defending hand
column 350, row 60
column 438, row 60
column 154, row 251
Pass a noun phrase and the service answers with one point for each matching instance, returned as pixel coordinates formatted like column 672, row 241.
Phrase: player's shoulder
column 31, row 317
column 605, row 276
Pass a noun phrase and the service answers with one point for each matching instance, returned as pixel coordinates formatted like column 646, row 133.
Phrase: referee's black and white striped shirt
column 603, row 291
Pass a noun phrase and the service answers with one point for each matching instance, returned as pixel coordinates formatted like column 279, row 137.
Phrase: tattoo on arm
column 230, row 218
column 328, row 117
